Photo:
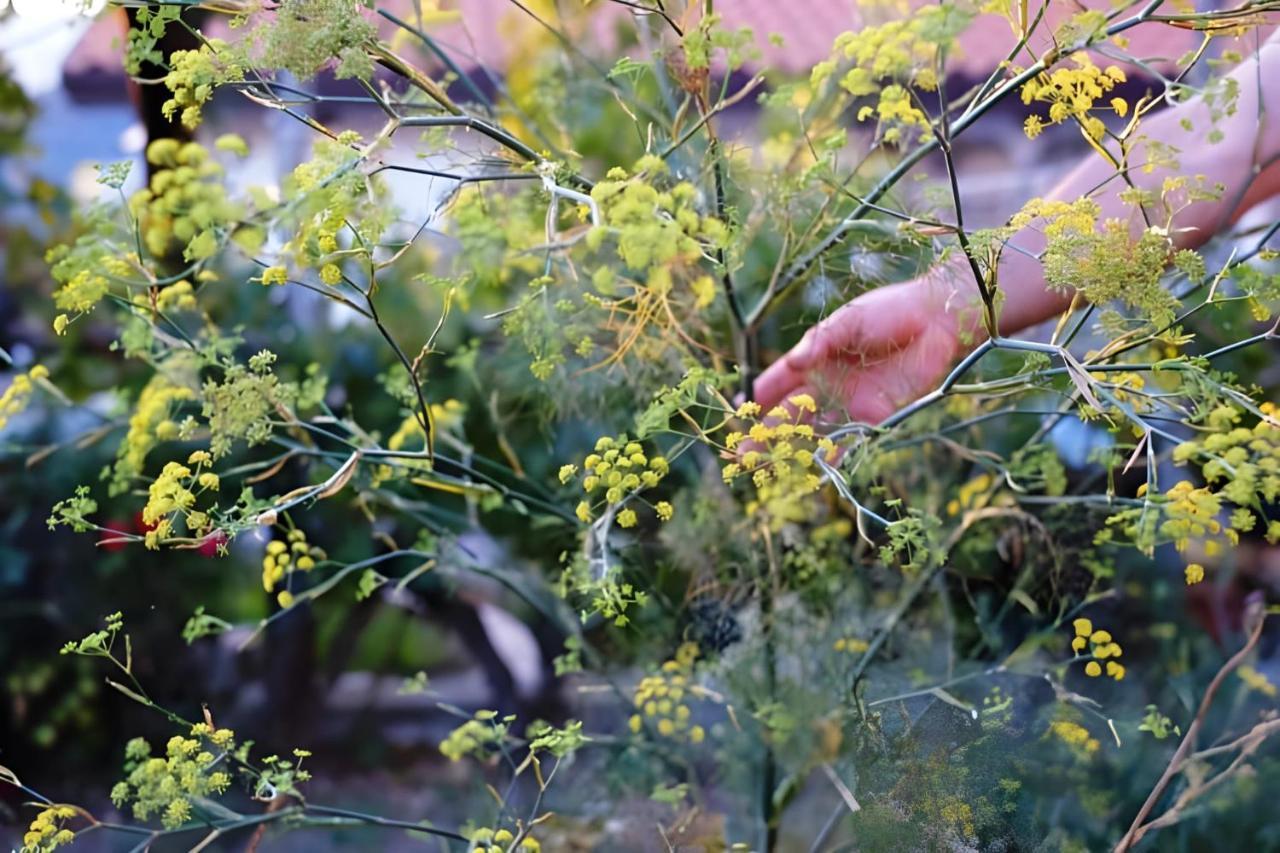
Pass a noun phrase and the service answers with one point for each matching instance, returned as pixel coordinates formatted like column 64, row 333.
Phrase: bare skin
column 894, row 344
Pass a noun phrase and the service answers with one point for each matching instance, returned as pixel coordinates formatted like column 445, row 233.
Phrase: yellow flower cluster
column 81, row 292
column 1243, row 463
column 150, row 424
column 897, row 111
column 969, row 493
column 48, row 832
column 476, row 737
column 891, row 50
column 273, row 275
column 659, row 232
column 185, row 201
column 781, row 458
column 1071, row 94
column 18, row 395
column 1241, row 468
column 487, row 840
column 1102, row 648
column 1194, row 573
column 888, row 58
column 166, row 785
column 615, row 473
column 1100, row 258
column 1061, row 218
column 180, row 296
column 286, row 556
column 1257, row 681
column 852, row 645
column 193, row 77
column 1076, row 737
column 331, row 274
column 1127, row 388
column 1190, row 514
column 174, row 493
column 661, row 699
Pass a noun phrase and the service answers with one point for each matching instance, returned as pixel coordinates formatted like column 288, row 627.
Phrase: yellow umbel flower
column 283, row 557
column 274, row 275
column 331, row 275
column 782, row 464
column 47, row 831
column 662, row 699
column 1102, row 648
column 18, row 395
column 625, row 470
column 1076, row 737
column 1071, row 94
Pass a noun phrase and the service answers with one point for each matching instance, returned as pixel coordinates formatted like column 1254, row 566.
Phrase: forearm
column 1243, row 163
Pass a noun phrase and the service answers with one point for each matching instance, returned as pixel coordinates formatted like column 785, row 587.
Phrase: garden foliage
column 932, row 626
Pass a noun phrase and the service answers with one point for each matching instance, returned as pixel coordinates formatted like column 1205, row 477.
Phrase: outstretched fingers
column 862, row 330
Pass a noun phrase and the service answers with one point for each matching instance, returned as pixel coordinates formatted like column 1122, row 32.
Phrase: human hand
column 879, row 351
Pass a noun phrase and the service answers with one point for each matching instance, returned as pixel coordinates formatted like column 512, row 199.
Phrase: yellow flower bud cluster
column 174, row 493
column 193, row 77
column 486, row 840
column 273, row 275
column 1257, row 681
column 179, row 296
column 1241, row 468
column 616, row 472
column 778, row 453
column 1071, row 94
column 48, row 830
column 1242, row 463
column 82, row 290
column 1127, row 388
column 659, row 232
column 166, row 785
column 850, row 645
column 884, row 60
column 1101, row 646
column 186, row 202
column 969, row 494
column 1076, row 737
column 897, row 112
column 285, row 556
column 662, row 699
column 331, row 274
column 1061, row 218
column 150, row 423
column 478, row 737
column 1190, row 514
column 18, row 395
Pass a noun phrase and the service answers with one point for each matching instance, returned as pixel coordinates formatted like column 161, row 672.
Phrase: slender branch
column 1255, row 617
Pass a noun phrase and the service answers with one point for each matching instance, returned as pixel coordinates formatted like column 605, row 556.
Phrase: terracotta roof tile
column 492, row 32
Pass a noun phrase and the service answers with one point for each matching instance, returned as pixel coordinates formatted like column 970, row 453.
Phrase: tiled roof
column 492, row 30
